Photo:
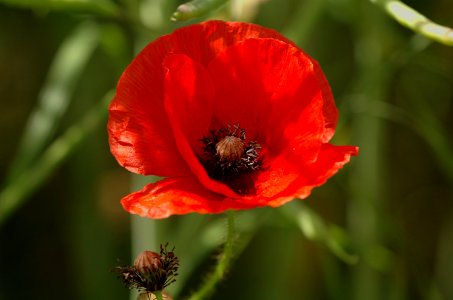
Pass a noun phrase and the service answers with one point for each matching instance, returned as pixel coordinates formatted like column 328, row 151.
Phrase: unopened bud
column 147, row 261
column 230, row 148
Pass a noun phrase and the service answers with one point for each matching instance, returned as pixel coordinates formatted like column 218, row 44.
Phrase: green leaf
column 417, row 22
column 15, row 193
column 196, row 9
column 55, row 96
column 315, row 228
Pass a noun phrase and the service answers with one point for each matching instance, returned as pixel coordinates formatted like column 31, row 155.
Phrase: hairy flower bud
column 230, row 148
column 147, row 261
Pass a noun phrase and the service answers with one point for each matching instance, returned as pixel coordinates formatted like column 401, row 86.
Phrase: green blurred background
column 382, row 228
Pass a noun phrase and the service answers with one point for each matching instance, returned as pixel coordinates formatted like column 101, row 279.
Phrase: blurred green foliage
column 380, row 229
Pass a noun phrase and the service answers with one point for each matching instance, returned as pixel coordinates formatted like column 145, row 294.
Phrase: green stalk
column 17, row 192
column 414, row 20
column 158, row 295
column 222, row 266
column 56, row 95
column 196, row 9
column 368, row 173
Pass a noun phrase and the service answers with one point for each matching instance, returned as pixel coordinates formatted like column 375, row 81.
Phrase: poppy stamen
column 227, row 155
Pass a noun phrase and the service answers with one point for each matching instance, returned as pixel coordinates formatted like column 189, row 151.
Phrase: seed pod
column 147, row 261
column 230, row 148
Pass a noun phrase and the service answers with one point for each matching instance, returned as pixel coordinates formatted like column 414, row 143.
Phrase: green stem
column 56, row 95
column 17, row 191
column 158, row 295
column 412, row 19
column 225, row 260
column 196, row 9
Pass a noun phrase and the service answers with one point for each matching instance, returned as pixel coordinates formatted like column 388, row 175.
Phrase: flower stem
column 195, row 9
column 412, row 19
column 158, row 295
column 18, row 191
column 224, row 262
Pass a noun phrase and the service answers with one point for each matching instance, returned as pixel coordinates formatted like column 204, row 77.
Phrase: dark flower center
column 227, row 156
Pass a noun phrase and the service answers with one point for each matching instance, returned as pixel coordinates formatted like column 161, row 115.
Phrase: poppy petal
column 139, row 132
column 331, row 158
column 265, row 85
column 188, row 103
column 329, row 107
column 202, row 42
column 301, row 149
column 189, row 97
column 143, row 143
column 177, row 196
column 208, row 76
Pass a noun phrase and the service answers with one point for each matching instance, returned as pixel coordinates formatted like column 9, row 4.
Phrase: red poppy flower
column 234, row 115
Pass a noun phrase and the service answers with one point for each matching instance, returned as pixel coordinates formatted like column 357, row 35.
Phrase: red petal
column 272, row 89
column 276, row 178
column 301, row 148
column 329, row 107
column 331, row 158
column 140, row 145
column 202, row 42
column 188, row 103
column 189, row 97
column 139, row 131
column 177, row 196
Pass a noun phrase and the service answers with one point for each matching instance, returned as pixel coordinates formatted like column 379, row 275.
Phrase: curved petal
column 188, row 103
column 303, row 147
column 143, row 143
column 284, row 180
column 164, row 103
column 202, row 42
column 329, row 107
column 177, row 196
column 331, row 158
column 139, row 131
column 276, row 178
column 272, row 89
column 189, row 97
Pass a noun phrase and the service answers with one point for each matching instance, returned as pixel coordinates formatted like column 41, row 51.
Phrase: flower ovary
column 227, row 155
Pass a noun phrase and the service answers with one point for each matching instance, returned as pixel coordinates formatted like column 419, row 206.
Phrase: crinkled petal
column 139, row 146
column 275, row 178
column 329, row 107
column 139, row 131
column 331, row 158
column 202, row 42
column 178, row 196
column 186, row 195
column 271, row 89
column 216, row 74
column 281, row 171
column 188, row 103
column 189, row 97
